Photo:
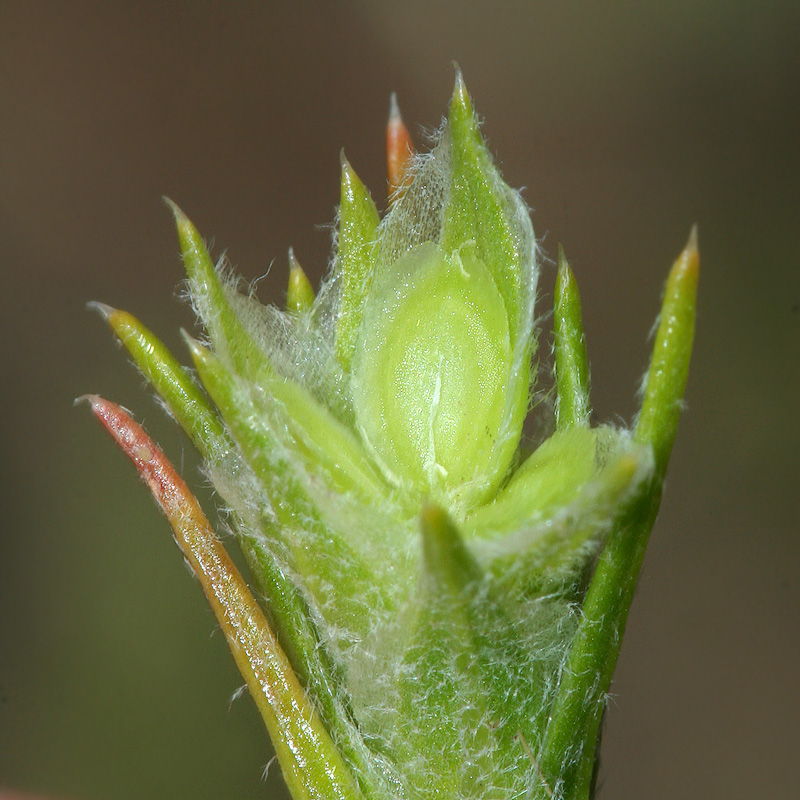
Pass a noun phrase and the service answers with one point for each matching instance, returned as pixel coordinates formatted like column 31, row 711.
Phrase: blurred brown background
column 625, row 122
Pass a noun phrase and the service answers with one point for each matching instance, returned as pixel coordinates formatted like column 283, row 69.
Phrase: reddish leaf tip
column 394, row 110
column 399, row 148
column 85, row 398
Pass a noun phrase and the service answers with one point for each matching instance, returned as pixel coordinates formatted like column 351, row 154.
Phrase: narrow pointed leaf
column 231, row 339
column 355, row 258
column 308, row 654
column 578, row 710
column 184, row 399
column 324, row 441
column 195, row 414
column 479, row 211
column 311, row 764
column 399, row 151
column 669, row 367
column 488, row 221
column 572, row 364
column 322, row 563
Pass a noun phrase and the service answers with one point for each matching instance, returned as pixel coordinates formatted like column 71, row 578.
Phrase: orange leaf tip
column 399, row 148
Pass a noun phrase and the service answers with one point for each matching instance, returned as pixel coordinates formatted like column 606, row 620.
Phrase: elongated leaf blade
column 311, row 764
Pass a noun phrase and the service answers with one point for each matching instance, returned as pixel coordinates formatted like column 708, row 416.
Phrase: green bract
column 451, row 609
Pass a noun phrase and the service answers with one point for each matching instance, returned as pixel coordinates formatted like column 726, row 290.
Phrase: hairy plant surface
column 442, row 614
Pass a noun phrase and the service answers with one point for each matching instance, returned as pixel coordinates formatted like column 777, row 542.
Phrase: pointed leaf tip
column 210, row 296
column 196, row 350
column 394, row 109
column 458, row 78
column 196, row 258
column 573, row 406
column 447, row 558
column 354, row 192
column 357, row 240
column 672, row 349
column 189, row 237
column 399, row 151
column 562, row 258
column 460, row 103
column 689, row 259
column 300, row 292
column 105, row 311
column 180, row 218
column 88, row 399
column 174, row 207
column 692, row 243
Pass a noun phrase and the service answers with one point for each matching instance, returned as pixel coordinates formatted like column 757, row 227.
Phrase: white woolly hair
column 390, row 626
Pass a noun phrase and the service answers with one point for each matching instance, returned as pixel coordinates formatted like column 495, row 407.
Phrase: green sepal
column 467, row 701
column 571, row 361
column 551, row 550
column 464, row 592
column 483, row 216
column 443, row 701
column 477, row 215
column 355, row 259
column 550, row 478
